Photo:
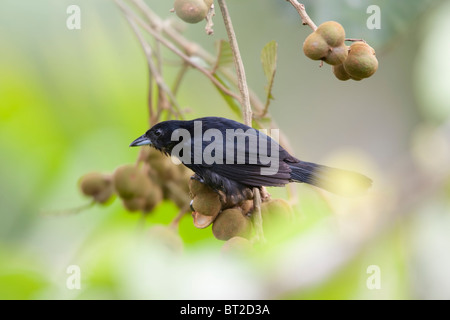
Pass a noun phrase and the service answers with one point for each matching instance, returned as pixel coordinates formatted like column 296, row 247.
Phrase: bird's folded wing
column 253, row 174
column 247, row 157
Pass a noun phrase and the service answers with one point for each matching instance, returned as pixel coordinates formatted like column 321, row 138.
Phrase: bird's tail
column 338, row 181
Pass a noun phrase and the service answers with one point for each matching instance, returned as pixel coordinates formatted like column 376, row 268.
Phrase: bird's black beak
column 141, row 141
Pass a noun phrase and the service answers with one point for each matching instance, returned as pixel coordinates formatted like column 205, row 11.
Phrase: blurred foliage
column 71, row 101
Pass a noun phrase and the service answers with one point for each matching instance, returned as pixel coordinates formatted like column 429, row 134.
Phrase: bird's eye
column 158, row 132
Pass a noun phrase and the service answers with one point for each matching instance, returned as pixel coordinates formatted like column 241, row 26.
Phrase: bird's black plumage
column 231, row 174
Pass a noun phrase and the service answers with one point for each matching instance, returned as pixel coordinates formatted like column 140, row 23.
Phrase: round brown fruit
column 337, row 55
column 180, row 198
column 207, row 204
column 183, row 176
column 130, row 181
column 196, row 188
column 153, row 198
column 162, row 166
column 340, row 72
column 231, row 223
column 134, row 204
column 191, row 11
column 315, row 47
column 201, row 221
column 93, row 183
column 97, row 186
column 332, row 32
column 361, row 61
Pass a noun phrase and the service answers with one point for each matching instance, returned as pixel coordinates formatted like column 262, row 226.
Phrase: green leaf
column 232, row 103
column 225, row 58
column 224, row 55
column 269, row 63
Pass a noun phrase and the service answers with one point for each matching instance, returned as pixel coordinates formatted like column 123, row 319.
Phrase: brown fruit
column 237, row 246
column 340, row 72
column 337, row 55
column 131, row 181
column 134, row 204
column 153, row 198
column 93, row 183
column 202, row 221
column 191, row 11
column 97, row 185
column 361, row 61
column 332, row 32
column 183, row 176
column 363, row 46
column 144, row 154
column 180, row 198
column 208, row 3
column 162, row 166
column 196, row 188
column 231, row 223
column 207, row 204
column 315, row 47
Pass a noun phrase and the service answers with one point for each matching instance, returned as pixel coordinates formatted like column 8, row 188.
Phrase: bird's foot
column 265, row 195
column 235, row 199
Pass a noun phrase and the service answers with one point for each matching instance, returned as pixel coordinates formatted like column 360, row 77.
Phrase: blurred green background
column 71, row 101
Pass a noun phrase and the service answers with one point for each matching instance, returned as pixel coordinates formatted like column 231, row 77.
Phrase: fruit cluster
column 192, row 11
column 144, row 185
column 98, row 186
column 327, row 43
column 134, row 186
column 234, row 224
column 140, row 186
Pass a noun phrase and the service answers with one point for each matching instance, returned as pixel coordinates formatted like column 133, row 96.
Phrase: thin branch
column 181, row 213
column 177, row 51
column 355, row 40
column 153, row 69
column 306, row 20
column 257, row 217
column 65, row 212
column 162, row 98
column 266, row 109
column 149, row 56
column 192, row 48
column 209, row 20
column 179, row 78
column 240, row 71
column 152, row 120
column 246, row 108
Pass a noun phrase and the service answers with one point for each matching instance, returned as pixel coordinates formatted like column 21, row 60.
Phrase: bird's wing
column 252, row 174
column 249, row 157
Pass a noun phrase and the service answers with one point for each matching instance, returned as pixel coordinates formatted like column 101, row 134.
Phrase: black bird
column 234, row 167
